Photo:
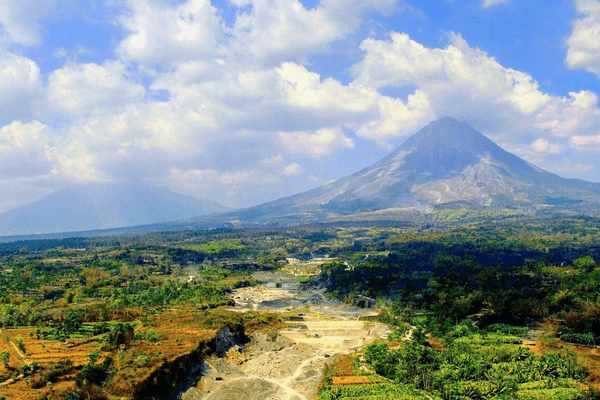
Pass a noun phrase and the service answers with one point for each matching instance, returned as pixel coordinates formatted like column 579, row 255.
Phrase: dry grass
column 436, row 343
column 350, row 380
column 42, row 352
column 343, row 366
column 586, row 357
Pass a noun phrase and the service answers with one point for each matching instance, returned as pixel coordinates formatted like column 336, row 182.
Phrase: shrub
column 19, row 341
column 94, row 374
column 5, row 358
column 51, row 372
column 72, row 395
column 120, row 334
column 151, row 336
column 93, row 357
column 142, row 360
column 580, row 338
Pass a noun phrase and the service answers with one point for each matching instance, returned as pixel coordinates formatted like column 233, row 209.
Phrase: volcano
column 446, row 163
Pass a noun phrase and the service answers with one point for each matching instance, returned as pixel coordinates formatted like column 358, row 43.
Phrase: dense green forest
column 477, row 289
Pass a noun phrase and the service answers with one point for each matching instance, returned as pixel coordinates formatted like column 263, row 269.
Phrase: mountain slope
column 102, row 206
column 445, row 162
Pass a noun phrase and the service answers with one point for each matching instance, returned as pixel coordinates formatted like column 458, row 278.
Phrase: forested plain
column 500, row 309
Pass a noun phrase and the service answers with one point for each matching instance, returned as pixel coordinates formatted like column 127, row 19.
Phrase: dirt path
column 17, row 350
column 21, row 355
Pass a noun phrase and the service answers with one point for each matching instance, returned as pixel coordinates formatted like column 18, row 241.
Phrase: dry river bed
column 288, row 364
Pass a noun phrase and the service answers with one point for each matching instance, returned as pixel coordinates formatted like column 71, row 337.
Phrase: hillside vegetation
column 503, row 310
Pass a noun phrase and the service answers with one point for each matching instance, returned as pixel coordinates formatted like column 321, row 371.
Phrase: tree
column 5, row 358
column 585, row 262
column 73, row 322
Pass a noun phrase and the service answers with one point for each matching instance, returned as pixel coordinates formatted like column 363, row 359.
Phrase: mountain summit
column 447, row 147
column 446, row 162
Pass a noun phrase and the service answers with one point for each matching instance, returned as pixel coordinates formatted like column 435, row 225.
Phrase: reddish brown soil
column 179, row 334
column 350, row 380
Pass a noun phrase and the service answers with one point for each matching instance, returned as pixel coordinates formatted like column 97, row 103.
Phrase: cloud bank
column 233, row 108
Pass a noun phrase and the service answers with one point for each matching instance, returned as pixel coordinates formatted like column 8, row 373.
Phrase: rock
column 192, row 394
column 283, row 342
column 315, row 299
column 249, row 389
column 363, row 301
column 226, row 339
column 263, row 342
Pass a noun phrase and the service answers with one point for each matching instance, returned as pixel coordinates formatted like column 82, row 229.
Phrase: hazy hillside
column 102, row 206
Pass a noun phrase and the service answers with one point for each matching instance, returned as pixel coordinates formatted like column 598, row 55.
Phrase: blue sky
column 245, row 101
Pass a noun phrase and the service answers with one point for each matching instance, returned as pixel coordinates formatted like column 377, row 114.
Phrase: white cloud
column 160, row 33
column 584, row 99
column 543, row 145
column 317, row 144
column 76, row 161
column 445, row 74
column 466, row 83
column 304, row 89
column 24, row 150
column 83, row 88
column 566, row 116
column 492, row 3
column 292, row 169
column 20, row 85
column 231, row 188
column 20, row 19
column 288, row 97
column 20, row 136
column 584, row 42
column 586, row 142
column 397, row 118
column 264, row 31
column 283, row 29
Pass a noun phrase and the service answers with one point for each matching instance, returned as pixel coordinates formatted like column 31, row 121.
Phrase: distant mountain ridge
column 446, row 162
column 103, row 206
